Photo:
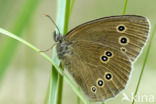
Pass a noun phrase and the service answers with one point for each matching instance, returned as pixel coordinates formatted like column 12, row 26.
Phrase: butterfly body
column 98, row 54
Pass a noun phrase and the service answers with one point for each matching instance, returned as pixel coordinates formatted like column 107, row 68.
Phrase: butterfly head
column 57, row 37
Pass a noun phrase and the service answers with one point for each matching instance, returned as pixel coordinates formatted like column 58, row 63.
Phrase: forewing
column 112, row 30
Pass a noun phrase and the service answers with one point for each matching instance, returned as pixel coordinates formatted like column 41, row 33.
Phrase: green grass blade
column 59, row 84
column 60, row 90
column 7, row 51
column 52, row 87
column 51, row 95
column 46, row 99
column 125, row 7
column 71, row 6
column 78, row 99
column 54, row 80
column 65, row 20
column 57, row 92
column 53, row 84
column 145, row 61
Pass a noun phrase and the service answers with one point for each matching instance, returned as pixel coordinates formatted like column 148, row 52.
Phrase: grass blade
column 50, row 97
column 125, row 7
column 60, row 90
column 46, row 99
column 53, row 84
column 71, row 6
column 78, row 99
column 65, row 20
column 144, row 63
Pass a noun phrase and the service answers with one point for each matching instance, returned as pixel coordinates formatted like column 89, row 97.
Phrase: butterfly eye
column 108, row 53
column 123, row 49
column 93, row 89
column 104, row 59
column 121, row 28
column 100, row 83
column 108, row 76
column 123, row 40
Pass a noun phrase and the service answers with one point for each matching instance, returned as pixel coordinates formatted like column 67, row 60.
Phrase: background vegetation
column 24, row 75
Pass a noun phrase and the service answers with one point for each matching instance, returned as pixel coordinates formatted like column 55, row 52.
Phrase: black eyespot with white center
column 108, row 76
column 104, row 58
column 100, row 82
column 121, row 28
column 108, row 53
column 93, row 88
column 123, row 40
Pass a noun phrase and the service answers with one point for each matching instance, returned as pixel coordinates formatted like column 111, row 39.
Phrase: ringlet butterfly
column 99, row 54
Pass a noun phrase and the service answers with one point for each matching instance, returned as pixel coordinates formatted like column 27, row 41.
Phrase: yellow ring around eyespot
column 123, row 37
column 99, row 80
column 119, row 26
column 106, row 74
column 102, row 60
column 121, row 48
column 92, row 90
column 108, row 56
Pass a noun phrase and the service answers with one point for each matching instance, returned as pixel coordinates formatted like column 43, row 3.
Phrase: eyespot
column 100, row 82
column 93, row 89
column 109, row 53
column 108, row 76
column 123, row 49
column 104, row 59
column 123, row 40
column 121, row 28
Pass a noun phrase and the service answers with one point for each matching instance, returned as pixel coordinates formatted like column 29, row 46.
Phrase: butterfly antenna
column 53, row 23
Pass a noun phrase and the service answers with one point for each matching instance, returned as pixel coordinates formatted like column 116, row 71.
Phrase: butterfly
column 99, row 54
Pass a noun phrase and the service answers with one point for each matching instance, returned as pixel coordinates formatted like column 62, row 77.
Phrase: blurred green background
column 25, row 77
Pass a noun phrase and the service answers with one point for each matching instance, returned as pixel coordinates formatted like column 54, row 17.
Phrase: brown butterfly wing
column 112, row 30
column 87, row 68
column 123, row 36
